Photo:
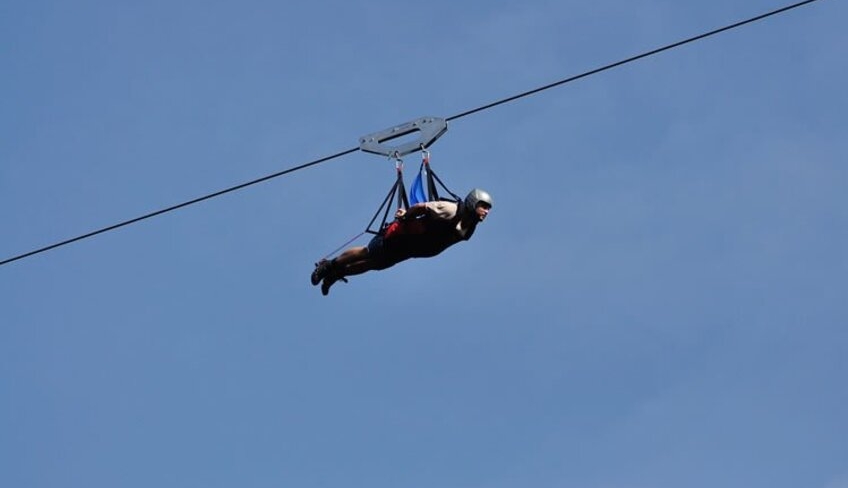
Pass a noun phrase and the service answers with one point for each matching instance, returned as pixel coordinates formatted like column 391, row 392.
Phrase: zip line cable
column 454, row 117
column 631, row 59
column 179, row 206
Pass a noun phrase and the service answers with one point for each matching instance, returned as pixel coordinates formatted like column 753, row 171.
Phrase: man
column 425, row 230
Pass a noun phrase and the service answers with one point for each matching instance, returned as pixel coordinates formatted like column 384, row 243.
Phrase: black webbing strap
column 432, row 191
column 385, row 203
column 403, row 201
column 398, row 189
column 432, row 178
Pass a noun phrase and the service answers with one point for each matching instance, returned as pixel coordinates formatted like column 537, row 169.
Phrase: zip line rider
column 423, row 231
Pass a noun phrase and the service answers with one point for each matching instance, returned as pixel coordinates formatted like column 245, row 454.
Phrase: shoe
column 322, row 268
column 329, row 280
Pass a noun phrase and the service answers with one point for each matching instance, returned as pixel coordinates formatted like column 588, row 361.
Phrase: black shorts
column 386, row 252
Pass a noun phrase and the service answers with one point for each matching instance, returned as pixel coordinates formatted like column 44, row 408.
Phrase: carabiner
column 425, row 156
column 398, row 161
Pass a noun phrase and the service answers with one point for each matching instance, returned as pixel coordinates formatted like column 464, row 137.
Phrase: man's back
column 439, row 228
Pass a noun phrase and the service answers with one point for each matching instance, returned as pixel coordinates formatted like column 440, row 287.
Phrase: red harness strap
column 405, row 227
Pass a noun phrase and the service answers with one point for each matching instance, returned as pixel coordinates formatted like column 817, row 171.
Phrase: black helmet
column 476, row 196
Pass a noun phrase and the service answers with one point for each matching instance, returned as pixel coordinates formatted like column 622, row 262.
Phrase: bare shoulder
column 442, row 209
column 441, row 204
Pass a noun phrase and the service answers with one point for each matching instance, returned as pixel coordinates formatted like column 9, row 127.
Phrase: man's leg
column 354, row 261
column 326, row 267
column 339, row 272
column 351, row 255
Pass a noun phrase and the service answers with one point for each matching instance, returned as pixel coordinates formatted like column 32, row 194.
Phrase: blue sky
column 658, row 298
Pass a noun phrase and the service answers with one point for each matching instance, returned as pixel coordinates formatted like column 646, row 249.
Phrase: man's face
column 482, row 211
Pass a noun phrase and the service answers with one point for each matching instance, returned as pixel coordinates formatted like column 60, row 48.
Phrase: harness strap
column 432, row 176
column 403, row 201
column 398, row 189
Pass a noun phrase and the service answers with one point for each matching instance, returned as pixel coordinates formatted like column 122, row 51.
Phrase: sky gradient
column 657, row 300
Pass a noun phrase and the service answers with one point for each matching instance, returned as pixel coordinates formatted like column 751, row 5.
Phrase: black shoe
column 329, row 280
column 322, row 268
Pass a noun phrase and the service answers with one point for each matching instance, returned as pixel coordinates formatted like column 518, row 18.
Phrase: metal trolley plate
column 428, row 128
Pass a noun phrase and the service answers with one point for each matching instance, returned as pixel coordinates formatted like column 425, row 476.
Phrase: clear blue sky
column 658, row 299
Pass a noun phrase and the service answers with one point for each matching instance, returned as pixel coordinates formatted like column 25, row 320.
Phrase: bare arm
column 414, row 211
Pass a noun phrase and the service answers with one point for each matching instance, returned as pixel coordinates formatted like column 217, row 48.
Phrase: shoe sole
column 316, row 275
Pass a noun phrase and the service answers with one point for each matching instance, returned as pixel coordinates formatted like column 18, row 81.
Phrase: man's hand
column 400, row 214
